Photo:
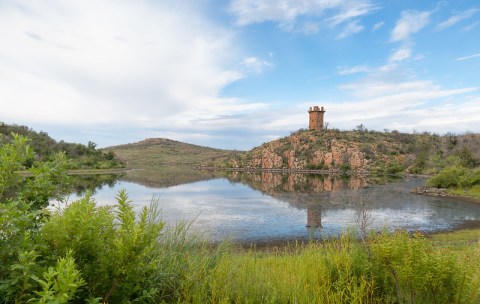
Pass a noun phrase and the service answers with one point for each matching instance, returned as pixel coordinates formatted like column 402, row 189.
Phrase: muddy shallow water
column 267, row 207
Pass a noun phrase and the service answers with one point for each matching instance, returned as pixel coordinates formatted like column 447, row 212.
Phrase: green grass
column 459, row 239
column 393, row 268
column 473, row 192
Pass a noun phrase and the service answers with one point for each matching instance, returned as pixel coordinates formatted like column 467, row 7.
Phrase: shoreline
column 443, row 192
column 278, row 245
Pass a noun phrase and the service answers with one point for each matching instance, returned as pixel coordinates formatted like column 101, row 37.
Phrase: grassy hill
column 383, row 152
column 157, row 152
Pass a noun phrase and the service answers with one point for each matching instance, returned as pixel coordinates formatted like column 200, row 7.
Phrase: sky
column 234, row 74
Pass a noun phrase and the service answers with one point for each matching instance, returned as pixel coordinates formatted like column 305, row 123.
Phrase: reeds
column 400, row 269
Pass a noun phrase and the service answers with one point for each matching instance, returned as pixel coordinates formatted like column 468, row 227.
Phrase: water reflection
column 79, row 184
column 312, row 192
column 314, row 217
column 273, row 206
column 168, row 176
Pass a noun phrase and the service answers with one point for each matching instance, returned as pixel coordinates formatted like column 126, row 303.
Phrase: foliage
column 345, row 168
column 394, row 167
column 13, row 156
column 79, row 156
column 417, row 272
column 59, row 283
column 47, row 180
column 389, row 268
column 455, row 176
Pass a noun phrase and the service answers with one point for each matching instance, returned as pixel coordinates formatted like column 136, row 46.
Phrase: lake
column 270, row 207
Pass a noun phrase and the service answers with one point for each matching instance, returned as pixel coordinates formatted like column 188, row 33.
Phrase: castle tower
column 316, row 118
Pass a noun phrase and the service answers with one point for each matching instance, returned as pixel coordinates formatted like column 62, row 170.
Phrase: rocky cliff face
column 307, row 149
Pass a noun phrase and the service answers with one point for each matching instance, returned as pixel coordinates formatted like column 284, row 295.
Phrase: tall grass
column 400, row 269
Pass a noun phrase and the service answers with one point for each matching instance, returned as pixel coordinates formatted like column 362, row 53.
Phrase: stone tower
column 316, row 118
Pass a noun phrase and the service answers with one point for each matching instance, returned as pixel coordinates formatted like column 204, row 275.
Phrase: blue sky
column 234, row 74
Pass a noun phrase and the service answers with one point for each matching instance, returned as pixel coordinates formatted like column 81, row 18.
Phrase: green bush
column 413, row 271
column 448, row 177
column 455, row 176
column 394, row 167
column 470, row 178
column 345, row 168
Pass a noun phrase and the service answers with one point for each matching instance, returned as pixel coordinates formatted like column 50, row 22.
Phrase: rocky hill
column 383, row 152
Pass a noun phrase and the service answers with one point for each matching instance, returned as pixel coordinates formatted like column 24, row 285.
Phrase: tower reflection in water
column 314, row 217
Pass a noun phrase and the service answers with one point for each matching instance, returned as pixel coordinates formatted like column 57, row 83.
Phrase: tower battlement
column 316, row 118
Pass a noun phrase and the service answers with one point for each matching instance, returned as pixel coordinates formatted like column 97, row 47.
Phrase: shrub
column 447, row 178
column 470, row 178
column 394, row 167
column 417, row 271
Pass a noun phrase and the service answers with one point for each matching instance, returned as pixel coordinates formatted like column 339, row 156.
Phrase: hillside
column 382, row 152
column 156, row 152
column 79, row 156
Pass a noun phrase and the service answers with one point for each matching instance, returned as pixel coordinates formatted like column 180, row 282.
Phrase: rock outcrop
column 328, row 149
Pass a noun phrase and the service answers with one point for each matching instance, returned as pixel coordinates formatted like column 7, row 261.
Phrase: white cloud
column 350, row 29
column 409, row 23
column 287, row 11
column 255, row 64
column 406, row 106
column 402, row 53
column 378, row 25
column 471, row 26
column 351, row 10
column 342, row 70
column 468, row 57
column 456, row 18
column 115, row 63
column 393, row 98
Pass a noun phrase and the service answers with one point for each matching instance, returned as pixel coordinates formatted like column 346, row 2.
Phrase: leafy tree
column 12, row 158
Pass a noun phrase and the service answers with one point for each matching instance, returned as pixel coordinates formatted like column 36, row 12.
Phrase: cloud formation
column 333, row 13
column 255, row 64
column 378, row 25
column 409, row 23
column 456, row 18
column 343, row 70
column 402, row 53
column 115, row 63
column 116, row 71
column 468, row 57
column 406, row 106
column 350, row 29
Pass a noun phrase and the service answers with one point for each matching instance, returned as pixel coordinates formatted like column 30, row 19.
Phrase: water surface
column 266, row 207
